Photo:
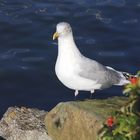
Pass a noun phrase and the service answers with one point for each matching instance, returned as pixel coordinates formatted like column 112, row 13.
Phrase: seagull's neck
column 67, row 46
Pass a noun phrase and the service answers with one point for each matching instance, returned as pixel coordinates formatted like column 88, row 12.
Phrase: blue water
column 105, row 30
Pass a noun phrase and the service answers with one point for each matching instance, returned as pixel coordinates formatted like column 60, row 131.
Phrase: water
column 105, row 30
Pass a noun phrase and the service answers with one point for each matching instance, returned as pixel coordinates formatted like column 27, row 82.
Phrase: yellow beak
column 55, row 35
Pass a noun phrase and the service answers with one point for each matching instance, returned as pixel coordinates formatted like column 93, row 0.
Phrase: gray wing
column 93, row 70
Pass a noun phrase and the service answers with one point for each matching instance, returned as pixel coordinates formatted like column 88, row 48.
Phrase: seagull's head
column 62, row 29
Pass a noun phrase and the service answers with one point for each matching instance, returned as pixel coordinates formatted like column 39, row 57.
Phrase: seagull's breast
column 66, row 69
column 68, row 60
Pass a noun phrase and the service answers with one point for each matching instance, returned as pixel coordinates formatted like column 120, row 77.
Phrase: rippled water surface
column 105, row 30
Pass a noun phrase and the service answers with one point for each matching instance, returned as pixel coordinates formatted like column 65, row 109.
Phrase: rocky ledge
column 67, row 121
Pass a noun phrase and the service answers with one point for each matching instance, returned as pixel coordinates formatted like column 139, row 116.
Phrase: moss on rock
column 80, row 119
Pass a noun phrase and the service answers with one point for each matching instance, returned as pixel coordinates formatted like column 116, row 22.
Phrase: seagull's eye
column 67, row 29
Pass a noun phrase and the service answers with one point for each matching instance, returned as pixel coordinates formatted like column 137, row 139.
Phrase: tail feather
column 125, row 78
column 128, row 75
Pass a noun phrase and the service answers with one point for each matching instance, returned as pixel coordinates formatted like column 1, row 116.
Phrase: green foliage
column 126, row 121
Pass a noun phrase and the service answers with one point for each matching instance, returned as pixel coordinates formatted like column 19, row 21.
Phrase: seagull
column 78, row 72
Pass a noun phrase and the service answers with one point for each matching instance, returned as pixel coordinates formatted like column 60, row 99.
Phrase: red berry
column 110, row 122
column 133, row 80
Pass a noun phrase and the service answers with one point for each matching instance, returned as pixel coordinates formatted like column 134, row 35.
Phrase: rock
column 23, row 124
column 75, row 120
column 80, row 120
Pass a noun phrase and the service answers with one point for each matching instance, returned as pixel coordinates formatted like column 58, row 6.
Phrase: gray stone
column 23, row 124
